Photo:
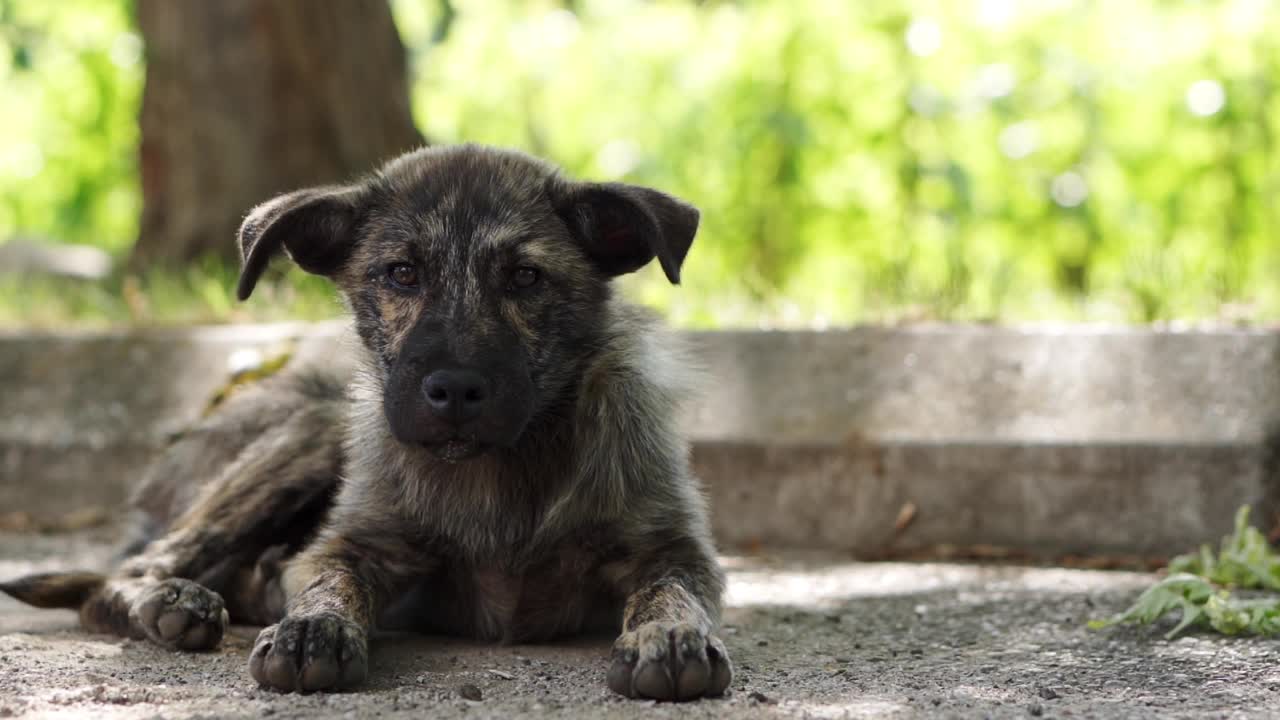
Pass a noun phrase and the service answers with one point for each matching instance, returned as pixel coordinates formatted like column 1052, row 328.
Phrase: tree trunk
column 246, row 99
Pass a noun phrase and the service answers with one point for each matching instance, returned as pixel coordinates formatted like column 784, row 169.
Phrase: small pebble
column 1036, row 710
column 471, row 692
column 757, row 696
column 1048, row 693
column 762, row 643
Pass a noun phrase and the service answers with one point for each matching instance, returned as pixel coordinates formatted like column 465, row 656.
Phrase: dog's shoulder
column 641, row 362
column 630, row 450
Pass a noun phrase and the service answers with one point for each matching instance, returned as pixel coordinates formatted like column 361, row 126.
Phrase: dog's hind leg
column 263, row 503
column 229, row 543
column 171, row 612
column 275, row 492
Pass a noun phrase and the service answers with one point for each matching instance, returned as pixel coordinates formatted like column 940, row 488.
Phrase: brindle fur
column 566, row 505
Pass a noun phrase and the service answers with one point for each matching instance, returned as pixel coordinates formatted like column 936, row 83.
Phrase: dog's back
column 301, row 404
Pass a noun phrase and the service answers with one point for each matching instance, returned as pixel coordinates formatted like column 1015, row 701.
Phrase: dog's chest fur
column 558, row 594
column 517, row 559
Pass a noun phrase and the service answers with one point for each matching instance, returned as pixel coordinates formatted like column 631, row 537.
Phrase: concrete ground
column 810, row 637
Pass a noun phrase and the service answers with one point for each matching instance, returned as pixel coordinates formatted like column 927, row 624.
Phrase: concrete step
column 1045, row 440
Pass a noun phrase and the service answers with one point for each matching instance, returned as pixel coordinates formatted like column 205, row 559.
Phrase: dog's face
column 478, row 279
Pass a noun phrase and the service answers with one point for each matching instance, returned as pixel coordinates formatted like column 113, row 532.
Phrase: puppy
column 503, row 464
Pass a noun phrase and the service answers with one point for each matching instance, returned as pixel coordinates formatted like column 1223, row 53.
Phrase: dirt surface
column 810, row 637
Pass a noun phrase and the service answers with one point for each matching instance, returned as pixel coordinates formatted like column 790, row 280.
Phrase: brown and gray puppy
column 508, row 450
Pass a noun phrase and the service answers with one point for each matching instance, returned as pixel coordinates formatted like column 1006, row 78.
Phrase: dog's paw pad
column 669, row 661
column 180, row 614
column 309, row 653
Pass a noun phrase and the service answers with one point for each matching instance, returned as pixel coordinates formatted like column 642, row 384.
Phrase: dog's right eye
column 403, row 275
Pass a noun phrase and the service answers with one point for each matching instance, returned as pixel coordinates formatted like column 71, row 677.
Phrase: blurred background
column 872, row 161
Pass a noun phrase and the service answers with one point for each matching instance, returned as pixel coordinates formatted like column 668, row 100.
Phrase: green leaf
column 1197, row 587
column 1183, row 591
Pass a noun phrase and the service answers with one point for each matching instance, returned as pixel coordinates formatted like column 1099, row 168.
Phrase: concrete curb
column 1045, row 440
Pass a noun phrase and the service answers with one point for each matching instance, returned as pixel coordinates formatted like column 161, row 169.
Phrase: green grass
column 1200, row 587
column 204, row 295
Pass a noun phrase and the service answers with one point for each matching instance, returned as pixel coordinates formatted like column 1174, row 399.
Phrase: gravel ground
column 810, row 637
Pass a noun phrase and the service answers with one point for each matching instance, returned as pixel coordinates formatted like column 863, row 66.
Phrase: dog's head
column 478, row 279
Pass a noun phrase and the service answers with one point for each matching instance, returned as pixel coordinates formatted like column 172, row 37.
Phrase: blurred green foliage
column 1001, row 160
column 70, row 86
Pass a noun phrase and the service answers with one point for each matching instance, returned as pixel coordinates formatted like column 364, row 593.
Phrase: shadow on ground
column 811, row 637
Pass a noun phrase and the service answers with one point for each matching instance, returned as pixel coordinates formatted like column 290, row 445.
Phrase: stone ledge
column 1041, row 499
column 1048, row 440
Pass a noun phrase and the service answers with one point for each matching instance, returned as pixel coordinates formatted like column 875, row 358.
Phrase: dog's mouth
column 458, row 448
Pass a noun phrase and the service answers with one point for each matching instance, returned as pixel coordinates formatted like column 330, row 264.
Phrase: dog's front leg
column 322, row 642
column 668, row 649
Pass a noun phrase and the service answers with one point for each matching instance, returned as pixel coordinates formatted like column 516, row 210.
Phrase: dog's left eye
column 403, row 275
column 524, row 277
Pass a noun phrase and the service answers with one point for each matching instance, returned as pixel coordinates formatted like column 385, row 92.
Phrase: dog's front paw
column 305, row 653
column 179, row 614
column 669, row 661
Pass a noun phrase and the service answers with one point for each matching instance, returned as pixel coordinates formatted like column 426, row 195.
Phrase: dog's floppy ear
column 316, row 226
column 622, row 227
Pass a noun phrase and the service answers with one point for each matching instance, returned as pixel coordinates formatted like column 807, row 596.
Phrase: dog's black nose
column 456, row 395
